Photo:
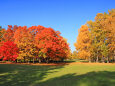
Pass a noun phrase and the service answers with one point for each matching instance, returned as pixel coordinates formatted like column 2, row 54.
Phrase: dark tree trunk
column 28, row 61
column 24, row 59
column 47, row 60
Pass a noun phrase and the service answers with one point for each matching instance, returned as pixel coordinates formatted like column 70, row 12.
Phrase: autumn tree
column 9, row 51
column 95, row 37
column 23, row 39
column 8, row 35
column 37, row 43
column 51, row 45
column 83, row 43
column 108, row 24
column 102, row 35
column 2, row 32
column 0, row 35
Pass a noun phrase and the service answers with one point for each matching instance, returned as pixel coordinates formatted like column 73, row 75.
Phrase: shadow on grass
column 76, row 60
column 69, row 61
column 102, row 78
column 28, row 75
column 23, row 75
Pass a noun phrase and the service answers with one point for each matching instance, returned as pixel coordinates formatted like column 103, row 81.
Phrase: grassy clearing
column 66, row 75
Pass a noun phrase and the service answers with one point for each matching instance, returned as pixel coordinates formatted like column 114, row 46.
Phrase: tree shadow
column 102, row 78
column 28, row 75
column 23, row 75
column 69, row 61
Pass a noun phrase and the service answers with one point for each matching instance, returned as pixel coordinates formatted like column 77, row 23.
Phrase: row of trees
column 95, row 42
column 96, row 39
column 35, row 43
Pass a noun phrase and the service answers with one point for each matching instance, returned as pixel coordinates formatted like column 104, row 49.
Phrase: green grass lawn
column 67, row 75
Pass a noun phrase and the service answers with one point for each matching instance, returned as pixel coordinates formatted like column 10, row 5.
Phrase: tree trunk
column 89, row 60
column 24, row 59
column 62, row 60
column 33, row 60
column 39, row 60
column 107, row 59
column 103, row 60
column 113, row 60
column 97, row 59
column 114, row 56
column 47, row 60
column 28, row 61
column 16, row 60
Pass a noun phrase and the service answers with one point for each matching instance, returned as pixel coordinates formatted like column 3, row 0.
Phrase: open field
column 70, row 74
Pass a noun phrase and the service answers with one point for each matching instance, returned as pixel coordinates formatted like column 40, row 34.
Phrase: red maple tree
column 8, row 51
column 51, row 45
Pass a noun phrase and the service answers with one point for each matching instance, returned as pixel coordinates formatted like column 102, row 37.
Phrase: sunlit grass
column 66, row 75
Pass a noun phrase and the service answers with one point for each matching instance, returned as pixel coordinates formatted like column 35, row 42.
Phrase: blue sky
column 65, row 16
